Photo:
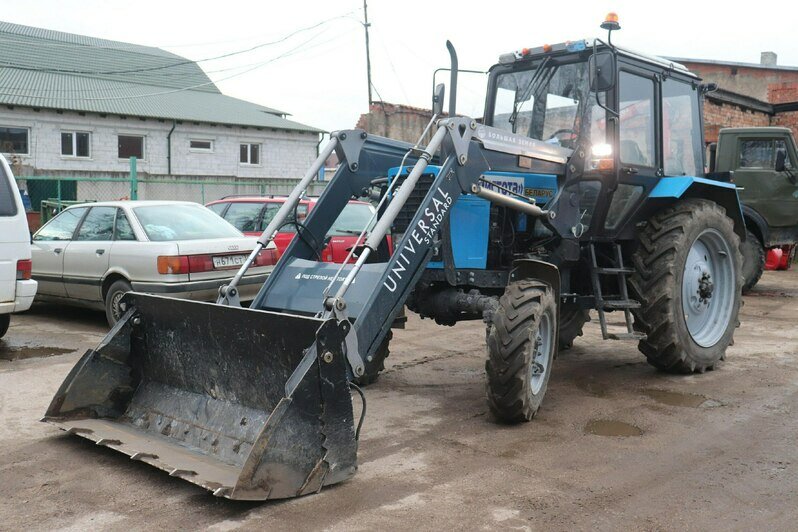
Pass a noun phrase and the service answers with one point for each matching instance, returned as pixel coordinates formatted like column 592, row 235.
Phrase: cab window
column 637, row 120
column 681, row 129
column 761, row 153
column 63, row 226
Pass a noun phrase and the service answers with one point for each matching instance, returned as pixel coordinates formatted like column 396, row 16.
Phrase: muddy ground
column 616, row 443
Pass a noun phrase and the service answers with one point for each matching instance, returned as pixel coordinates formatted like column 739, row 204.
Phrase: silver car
column 91, row 254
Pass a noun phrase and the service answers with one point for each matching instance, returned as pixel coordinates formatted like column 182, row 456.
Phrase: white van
column 17, row 289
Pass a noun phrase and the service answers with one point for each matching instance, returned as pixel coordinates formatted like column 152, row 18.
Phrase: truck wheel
column 572, row 320
column 688, row 280
column 5, row 321
column 115, row 292
column 521, row 348
column 753, row 260
column 374, row 367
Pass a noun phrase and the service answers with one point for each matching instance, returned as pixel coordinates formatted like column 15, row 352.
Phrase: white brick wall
column 283, row 154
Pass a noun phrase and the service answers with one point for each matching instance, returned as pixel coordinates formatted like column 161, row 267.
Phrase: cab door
column 769, row 192
column 87, row 256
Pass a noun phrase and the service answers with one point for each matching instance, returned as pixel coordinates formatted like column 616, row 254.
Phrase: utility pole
column 368, row 57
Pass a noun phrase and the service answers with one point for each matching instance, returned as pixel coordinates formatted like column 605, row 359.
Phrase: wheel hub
column 541, row 355
column 705, row 287
column 708, row 285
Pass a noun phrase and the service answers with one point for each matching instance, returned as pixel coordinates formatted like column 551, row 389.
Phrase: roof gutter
column 169, row 148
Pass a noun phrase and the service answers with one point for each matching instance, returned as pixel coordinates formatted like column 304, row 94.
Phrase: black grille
column 413, row 203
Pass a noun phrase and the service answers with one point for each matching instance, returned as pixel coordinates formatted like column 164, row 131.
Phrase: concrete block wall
column 284, row 154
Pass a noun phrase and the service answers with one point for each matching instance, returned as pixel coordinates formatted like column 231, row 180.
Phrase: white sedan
column 91, row 254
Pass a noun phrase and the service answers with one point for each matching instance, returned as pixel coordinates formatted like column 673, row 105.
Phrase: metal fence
column 69, row 189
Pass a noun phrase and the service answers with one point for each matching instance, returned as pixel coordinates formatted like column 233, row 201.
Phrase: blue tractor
column 582, row 188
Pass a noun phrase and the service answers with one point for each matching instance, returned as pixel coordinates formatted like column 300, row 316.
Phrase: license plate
column 226, row 261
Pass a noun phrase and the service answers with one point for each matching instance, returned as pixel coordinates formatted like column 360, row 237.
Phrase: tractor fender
column 722, row 193
column 537, row 269
column 756, row 223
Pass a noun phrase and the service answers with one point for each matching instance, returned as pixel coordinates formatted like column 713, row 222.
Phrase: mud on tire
column 753, row 260
column 521, row 348
column 660, row 262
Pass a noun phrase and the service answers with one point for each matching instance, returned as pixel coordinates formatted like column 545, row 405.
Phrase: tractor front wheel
column 521, row 348
column 688, row 280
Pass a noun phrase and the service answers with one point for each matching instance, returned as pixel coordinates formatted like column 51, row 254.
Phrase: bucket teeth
column 182, row 473
column 143, row 456
column 107, row 442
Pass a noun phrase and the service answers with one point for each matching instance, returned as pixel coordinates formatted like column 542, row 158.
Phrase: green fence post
column 134, row 180
column 59, row 193
column 202, row 187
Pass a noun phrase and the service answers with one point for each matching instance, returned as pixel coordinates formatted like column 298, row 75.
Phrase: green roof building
column 78, row 105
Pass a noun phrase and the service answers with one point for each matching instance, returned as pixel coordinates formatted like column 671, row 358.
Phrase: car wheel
column 113, row 296
column 5, row 321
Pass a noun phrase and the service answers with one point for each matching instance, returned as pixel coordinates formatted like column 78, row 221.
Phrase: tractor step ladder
column 614, row 302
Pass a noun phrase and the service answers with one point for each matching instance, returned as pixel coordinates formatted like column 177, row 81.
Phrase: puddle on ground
column 25, row 351
column 611, row 427
column 591, row 386
column 689, row 400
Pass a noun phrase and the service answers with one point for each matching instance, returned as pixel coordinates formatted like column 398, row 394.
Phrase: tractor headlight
column 602, row 151
column 601, row 157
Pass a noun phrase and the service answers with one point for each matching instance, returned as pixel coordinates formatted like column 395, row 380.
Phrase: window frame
column 769, row 140
column 27, row 142
column 201, row 150
column 85, row 208
column 121, row 211
column 74, row 133
column 76, row 234
column 655, row 113
column 249, row 145
column 143, row 146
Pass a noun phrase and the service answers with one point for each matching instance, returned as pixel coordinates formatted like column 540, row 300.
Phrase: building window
column 131, row 146
column 75, row 144
column 200, row 145
column 250, row 154
column 14, row 140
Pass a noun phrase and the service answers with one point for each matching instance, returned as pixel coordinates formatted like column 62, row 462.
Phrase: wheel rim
column 116, row 307
column 708, row 285
column 541, row 357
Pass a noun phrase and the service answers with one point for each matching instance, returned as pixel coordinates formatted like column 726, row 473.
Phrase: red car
column 251, row 215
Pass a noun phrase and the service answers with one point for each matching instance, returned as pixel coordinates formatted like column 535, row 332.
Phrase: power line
column 288, row 53
column 179, row 63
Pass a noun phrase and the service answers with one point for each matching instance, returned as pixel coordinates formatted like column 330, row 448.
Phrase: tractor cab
column 630, row 118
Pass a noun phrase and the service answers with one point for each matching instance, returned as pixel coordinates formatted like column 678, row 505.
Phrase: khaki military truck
column 762, row 162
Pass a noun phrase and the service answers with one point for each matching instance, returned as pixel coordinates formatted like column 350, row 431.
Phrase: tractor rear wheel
column 374, row 367
column 688, row 280
column 521, row 349
column 572, row 320
column 753, row 260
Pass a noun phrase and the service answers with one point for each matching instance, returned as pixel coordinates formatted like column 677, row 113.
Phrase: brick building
column 749, row 94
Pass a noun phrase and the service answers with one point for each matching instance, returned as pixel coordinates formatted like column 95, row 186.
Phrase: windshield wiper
column 531, row 88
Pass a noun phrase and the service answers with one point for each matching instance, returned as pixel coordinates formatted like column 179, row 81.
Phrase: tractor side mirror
column 781, row 160
column 602, row 71
column 437, row 99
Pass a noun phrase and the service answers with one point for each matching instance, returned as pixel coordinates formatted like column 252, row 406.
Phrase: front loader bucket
column 249, row 404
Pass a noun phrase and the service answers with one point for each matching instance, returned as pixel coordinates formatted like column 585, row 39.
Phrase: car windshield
column 353, row 219
column 544, row 102
column 182, row 222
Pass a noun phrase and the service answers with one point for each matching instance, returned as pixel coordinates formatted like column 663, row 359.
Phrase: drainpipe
column 169, row 148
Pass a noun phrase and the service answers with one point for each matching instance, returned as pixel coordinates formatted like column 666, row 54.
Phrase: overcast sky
column 318, row 75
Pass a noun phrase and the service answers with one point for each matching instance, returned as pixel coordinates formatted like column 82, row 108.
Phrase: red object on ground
column 244, row 213
column 780, row 258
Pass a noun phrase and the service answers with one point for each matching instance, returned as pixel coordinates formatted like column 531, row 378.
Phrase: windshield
column 182, row 222
column 352, row 220
column 546, row 102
